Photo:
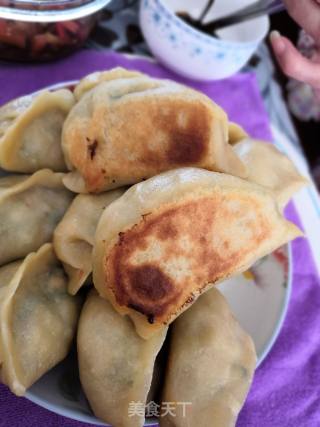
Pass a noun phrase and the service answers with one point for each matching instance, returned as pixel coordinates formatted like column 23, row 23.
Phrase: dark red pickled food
column 29, row 41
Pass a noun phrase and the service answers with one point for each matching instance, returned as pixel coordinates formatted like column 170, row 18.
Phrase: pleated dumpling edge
column 172, row 237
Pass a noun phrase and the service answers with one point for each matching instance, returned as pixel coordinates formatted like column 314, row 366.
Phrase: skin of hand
column 307, row 14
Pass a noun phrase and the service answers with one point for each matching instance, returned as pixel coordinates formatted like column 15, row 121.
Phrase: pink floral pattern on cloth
column 278, row 260
column 302, row 100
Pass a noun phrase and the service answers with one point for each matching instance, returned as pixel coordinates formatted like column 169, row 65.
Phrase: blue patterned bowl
column 192, row 53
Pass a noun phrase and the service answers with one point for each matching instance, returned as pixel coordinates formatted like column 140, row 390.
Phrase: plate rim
column 284, row 308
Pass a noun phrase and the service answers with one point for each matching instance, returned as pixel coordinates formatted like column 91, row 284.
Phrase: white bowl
column 192, row 53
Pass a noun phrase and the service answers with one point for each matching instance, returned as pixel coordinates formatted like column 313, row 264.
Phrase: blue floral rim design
column 170, row 16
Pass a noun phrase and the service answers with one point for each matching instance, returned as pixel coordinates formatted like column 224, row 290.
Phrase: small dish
column 192, row 53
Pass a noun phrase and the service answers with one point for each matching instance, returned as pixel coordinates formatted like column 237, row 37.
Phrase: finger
column 292, row 63
column 307, row 14
column 317, row 94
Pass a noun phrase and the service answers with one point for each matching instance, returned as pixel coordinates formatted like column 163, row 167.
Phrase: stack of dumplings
column 131, row 198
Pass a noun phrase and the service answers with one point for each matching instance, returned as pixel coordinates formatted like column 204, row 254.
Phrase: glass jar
column 33, row 30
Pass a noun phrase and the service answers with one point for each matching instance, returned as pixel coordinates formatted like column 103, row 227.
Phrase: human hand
column 291, row 61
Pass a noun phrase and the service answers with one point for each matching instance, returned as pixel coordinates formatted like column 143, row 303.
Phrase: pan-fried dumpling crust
column 127, row 130
column 30, row 131
column 38, row 319
column 74, row 236
column 30, row 208
column 115, row 364
column 172, row 237
column 94, row 79
column 270, row 168
column 211, row 365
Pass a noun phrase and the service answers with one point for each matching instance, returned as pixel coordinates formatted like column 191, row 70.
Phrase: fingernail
column 279, row 45
column 275, row 34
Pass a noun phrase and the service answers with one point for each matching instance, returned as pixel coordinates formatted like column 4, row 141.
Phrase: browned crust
column 144, row 284
column 159, row 135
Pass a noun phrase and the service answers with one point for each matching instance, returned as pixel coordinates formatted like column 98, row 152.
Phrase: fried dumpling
column 236, row 133
column 30, row 131
column 270, row 168
column 115, row 364
column 30, row 208
column 127, row 130
column 74, row 236
column 6, row 273
column 170, row 238
column 38, row 319
column 210, row 366
column 94, row 79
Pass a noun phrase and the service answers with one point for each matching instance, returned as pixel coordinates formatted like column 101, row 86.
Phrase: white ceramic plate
column 258, row 298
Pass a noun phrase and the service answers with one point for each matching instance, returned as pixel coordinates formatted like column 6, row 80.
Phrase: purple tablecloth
column 286, row 388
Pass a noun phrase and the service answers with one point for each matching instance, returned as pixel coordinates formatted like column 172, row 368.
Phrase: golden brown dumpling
column 127, row 130
column 235, row 133
column 170, row 238
column 38, row 318
column 74, row 235
column 270, row 168
column 92, row 80
column 30, row 131
column 210, row 366
column 30, row 208
column 115, row 364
